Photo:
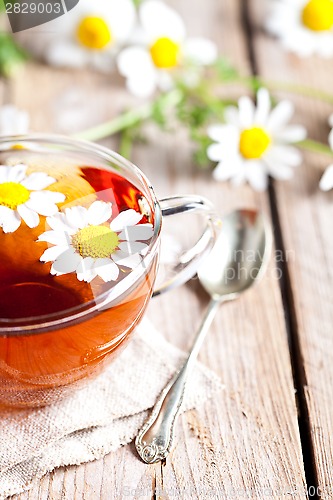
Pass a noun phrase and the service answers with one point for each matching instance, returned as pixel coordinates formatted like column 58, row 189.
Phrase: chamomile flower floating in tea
column 91, row 33
column 255, row 142
column 22, row 196
column 303, row 26
column 165, row 48
column 85, row 244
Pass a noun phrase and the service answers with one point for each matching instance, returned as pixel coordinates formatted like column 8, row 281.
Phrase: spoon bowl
column 239, row 256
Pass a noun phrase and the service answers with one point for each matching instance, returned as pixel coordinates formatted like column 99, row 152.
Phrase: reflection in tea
column 78, row 250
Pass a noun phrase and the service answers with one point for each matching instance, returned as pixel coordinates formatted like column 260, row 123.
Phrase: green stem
column 122, row 122
column 315, row 147
column 129, row 118
column 126, row 144
column 256, row 81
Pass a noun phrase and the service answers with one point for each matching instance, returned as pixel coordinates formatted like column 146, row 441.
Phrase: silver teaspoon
column 236, row 262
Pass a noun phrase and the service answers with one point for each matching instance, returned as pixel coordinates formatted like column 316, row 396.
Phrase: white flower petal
column 280, row 116
column 30, row 217
column 66, row 263
column 43, row 202
column 285, row 154
column 159, row 20
column 106, row 269
column 77, row 217
column 126, row 218
column 16, row 173
column 200, row 50
column 246, row 112
column 37, row 181
column 55, row 238
column 326, row 182
column 52, row 253
column 239, row 179
column 231, row 115
column 228, row 135
column 278, row 169
column 4, row 172
column 59, row 222
column 85, row 270
column 256, row 175
column 223, row 152
column 292, row 133
column 63, row 53
column 9, row 220
column 226, row 170
column 215, row 152
column 121, row 17
column 99, row 212
column 263, row 107
column 142, row 86
column 134, row 60
column 133, row 233
column 130, row 261
column 330, row 139
column 132, row 247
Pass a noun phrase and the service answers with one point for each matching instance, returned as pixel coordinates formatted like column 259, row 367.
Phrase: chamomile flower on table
column 255, row 142
column 163, row 49
column 24, row 197
column 304, row 27
column 86, row 243
column 326, row 182
column 91, row 34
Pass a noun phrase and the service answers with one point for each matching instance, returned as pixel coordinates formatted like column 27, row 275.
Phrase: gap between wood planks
column 296, row 357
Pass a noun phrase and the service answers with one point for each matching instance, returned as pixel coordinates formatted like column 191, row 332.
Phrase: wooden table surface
column 270, row 433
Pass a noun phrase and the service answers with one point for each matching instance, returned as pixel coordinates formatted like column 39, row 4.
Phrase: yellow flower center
column 254, row 142
column 94, row 33
column 317, row 15
column 97, row 242
column 13, row 194
column 165, row 53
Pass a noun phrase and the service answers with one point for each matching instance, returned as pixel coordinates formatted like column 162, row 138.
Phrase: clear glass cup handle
column 189, row 261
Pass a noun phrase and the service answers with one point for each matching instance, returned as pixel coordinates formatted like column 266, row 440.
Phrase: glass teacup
column 80, row 241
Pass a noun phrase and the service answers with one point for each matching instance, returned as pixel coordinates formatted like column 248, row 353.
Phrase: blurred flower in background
column 91, row 34
column 304, row 27
column 13, row 121
column 162, row 48
column 326, row 182
column 254, row 142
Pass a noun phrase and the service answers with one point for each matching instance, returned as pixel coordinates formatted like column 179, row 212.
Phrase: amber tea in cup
column 79, row 246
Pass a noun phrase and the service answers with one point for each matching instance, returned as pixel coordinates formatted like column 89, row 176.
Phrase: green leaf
column 11, row 55
column 3, row 4
column 225, row 70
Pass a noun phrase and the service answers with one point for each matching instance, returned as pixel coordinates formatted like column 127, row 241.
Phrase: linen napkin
column 98, row 418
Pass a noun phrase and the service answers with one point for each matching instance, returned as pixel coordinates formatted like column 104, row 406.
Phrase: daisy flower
column 326, row 182
column 85, row 244
column 254, row 142
column 91, row 33
column 303, row 26
column 22, row 197
column 13, row 121
column 164, row 48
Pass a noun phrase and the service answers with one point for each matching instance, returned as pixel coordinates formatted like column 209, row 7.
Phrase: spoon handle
column 154, row 441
